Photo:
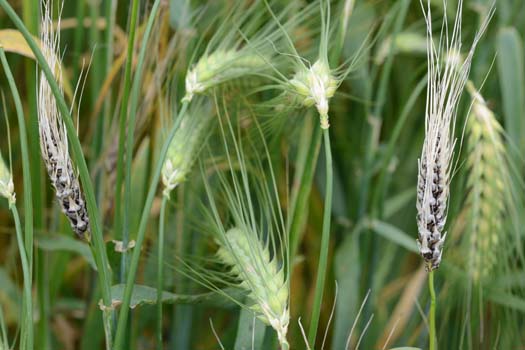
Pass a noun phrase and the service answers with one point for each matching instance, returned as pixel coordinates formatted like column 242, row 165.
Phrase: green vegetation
column 265, row 174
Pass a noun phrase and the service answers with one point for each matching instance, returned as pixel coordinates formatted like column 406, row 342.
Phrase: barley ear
column 218, row 68
column 53, row 137
column 446, row 77
column 315, row 86
column 7, row 188
column 261, row 276
column 186, row 144
column 487, row 173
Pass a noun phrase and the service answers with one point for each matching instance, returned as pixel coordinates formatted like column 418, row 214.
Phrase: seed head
column 53, row 136
column 7, row 188
column 488, row 197
column 260, row 275
column 445, row 84
column 185, row 145
column 218, row 68
column 316, row 86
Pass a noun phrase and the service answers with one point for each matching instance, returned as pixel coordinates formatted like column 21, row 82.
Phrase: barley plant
column 242, row 174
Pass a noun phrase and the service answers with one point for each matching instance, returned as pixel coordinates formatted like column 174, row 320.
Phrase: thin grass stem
column 432, row 316
column 128, row 290
column 325, row 240
column 98, row 247
column 26, row 338
column 160, row 270
column 118, row 225
column 28, row 204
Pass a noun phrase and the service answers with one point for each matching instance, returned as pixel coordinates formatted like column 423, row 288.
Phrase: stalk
column 31, row 18
column 300, row 201
column 128, row 290
column 325, row 240
column 28, row 204
column 160, row 271
column 122, row 137
column 26, row 339
column 97, row 246
column 432, row 316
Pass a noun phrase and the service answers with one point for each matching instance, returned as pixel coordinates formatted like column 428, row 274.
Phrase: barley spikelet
column 53, row 137
column 219, row 67
column 185, row 145
column 260, row 275
column 315, row 86
column 488, row 172
column 445, row 84
column 7, row 188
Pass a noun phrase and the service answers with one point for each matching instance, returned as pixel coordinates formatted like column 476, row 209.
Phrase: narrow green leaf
column 511, row 76
column 347, row 274
column 394, row 234
column 144, row 295
column 66, row 243
column 250, row 332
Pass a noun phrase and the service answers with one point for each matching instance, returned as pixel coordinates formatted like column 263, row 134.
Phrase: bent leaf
column 144, row 295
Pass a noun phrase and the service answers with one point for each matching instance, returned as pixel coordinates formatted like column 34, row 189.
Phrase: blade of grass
column 28, row 204
column 122, row 321
column 306, row 165
column 325, row 240
column 118, row 225
column 160, row 271
column 511, row 67
column 99, row 249
column 26, row 338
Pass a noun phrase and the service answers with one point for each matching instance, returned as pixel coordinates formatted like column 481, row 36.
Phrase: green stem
column 122, row 133
column 325, row 240
column 432, row 316
column 26, row 339
column 160, row 271
column 99, row 248
column 128, row 290
column 28, row 204
column 134, row 101
column 298, row 209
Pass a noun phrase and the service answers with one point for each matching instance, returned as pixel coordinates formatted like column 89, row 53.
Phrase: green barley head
column 245, row 222
column 186, row 144
column 488, row 183
column 314, row 84
column 242, row 47
column 7, row 188
column 260, row 275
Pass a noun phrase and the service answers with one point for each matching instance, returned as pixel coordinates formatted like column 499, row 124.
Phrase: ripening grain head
column 53, row 137
column 488, row 195
column 446, row 79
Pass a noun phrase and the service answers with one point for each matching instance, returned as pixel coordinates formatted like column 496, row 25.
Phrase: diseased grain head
column 446, row 77
column 53, row 136
column 7, row 188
